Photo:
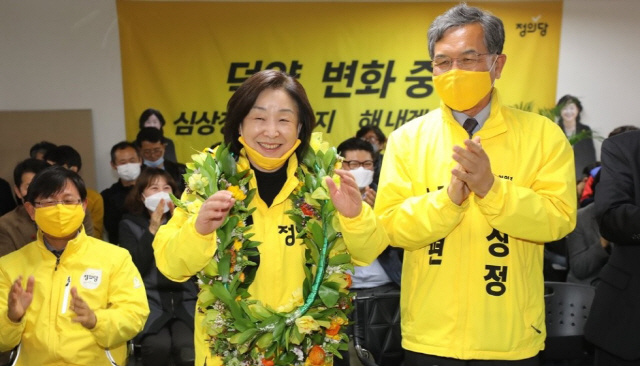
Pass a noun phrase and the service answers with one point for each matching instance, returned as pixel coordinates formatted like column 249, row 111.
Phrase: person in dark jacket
column 168, row 333
column 583, row 150
column 151, row 143
column 153, row 118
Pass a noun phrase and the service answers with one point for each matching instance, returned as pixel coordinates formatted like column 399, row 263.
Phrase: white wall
column 600, row 61
column 65, row 54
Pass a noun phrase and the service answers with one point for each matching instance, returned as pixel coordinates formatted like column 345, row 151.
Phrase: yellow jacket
column 181, row 251
column 95, row 205
column 105, row 278
column 472, row 285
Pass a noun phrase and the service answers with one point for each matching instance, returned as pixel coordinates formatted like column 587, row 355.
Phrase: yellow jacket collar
column 495, row 124
column 289, row 185
column 74, row 245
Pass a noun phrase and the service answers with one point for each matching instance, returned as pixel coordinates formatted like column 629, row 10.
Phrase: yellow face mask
column 265, row 163
column 60, row 221
column 460, row 89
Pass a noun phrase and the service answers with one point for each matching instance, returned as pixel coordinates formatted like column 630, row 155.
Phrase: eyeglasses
column 156, row 151
column 66, row 202
column 372, row 139
column 355, row 164
column 466, row 62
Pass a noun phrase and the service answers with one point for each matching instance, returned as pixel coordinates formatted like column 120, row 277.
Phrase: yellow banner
column 360, row 63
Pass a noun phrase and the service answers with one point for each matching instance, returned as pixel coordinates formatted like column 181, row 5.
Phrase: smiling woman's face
column 271, row 127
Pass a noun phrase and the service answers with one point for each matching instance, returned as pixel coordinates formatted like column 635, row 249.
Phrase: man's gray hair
column 461, row 15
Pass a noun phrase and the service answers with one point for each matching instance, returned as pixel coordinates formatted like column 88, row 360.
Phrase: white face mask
column 363, row 176
column 152, row 201
column 128, row 172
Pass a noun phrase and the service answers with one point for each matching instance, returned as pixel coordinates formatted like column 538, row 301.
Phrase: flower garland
column 308, row 330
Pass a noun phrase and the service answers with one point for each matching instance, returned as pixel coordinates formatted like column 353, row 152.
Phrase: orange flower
column 347, row 277
column 316, row 355
column 267, row 362
column 233, row 260
column 242, row 277
column 333, row 329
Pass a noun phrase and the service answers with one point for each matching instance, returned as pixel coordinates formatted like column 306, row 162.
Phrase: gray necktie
column 469, row 125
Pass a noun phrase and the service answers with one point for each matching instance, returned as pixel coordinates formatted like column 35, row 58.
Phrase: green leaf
column 240, row 338
column 310, row 182
column 320, row 160
column 260, row 312
column 296, row 337
column 329, row 159
column 279, row 329
column 224, row 266
column 265, row 340
column 250, row 194
column 340, row 259
column 328, row 295
column 211, row 269
column 206, row 298
column 313, row 249
column 316, row 233
column 309, row 158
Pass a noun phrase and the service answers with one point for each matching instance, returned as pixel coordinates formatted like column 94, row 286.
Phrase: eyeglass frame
column 360, row 164
column 457, row 61
column 57, row 202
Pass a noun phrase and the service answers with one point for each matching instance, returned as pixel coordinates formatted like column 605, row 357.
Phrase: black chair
column 567, row 309
column 377, row 338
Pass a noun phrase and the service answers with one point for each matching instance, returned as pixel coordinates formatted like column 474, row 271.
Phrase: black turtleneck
column 270, row 184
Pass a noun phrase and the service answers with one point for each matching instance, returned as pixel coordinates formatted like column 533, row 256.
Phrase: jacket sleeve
column 412, row 221
column 7, row 244
column 543, row 212
column 111, row 218
column 364, row 236
column 586, row 254
column 10, row 332
column 128, row 310
column 180, row 251
column 616, row 208
column 97, row 215
column 141, row 249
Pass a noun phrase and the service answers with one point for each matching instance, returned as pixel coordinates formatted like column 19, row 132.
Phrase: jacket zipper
column 57, row 263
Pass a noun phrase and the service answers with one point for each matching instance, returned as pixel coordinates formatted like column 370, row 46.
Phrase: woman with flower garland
column 267, row 230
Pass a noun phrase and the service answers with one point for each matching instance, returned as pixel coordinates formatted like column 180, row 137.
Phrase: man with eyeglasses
column 472, row 190
column 152, row 144
column 68, row 298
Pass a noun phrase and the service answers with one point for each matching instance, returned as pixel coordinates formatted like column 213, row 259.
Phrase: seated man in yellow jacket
column 471, row 191
column 67, row 298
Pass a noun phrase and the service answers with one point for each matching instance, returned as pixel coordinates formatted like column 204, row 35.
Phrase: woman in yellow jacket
column 268, row 125
column 84, row 298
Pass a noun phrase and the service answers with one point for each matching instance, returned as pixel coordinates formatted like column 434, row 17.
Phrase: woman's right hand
column 213, row 212
column 156, row 218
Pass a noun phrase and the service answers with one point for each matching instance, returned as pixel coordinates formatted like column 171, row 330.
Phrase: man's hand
column 213, row 212
column 20, row 299
column 476, row 167
column 85, row 315
column 458, row 190
column 369, row 196
column 346, row 199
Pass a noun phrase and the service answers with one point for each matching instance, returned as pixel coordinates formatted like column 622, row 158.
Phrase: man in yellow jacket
column 471, row 191
column 67, row 298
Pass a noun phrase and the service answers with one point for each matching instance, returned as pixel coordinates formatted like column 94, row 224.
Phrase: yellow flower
column 197, row 183
column 237, row 245
column 320, row 194
column 194, row 206
column 306, row 324
column 317, row 144
column 199, row 158
column 295, row 301
column 237, row 193
column 191, row 166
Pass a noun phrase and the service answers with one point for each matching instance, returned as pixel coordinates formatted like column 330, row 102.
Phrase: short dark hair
column 121, row 146
column 568, row 99
column 134, row 202
column 461, row 15
column 366, row 129
column 148, row 113
column 149, row 134
column 246, row 95
column 622, row 129
column 41, row 147
column 64, row 155
column 51, row 181
column 355, row 143
column 30, row 165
